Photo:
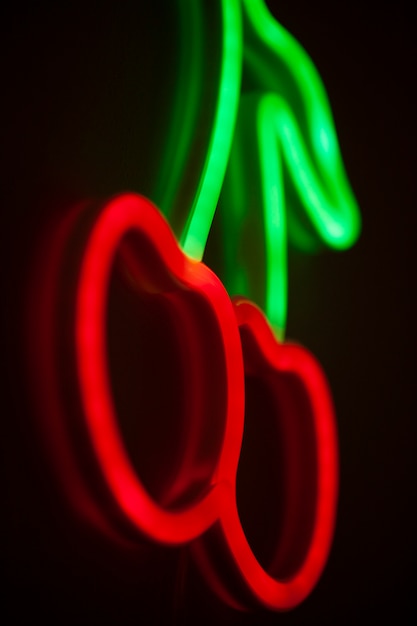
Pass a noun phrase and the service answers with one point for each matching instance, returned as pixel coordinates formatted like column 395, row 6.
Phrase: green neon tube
column 202, row 212
column 184, row 117
column 284, row 139
column 271, row 152
column 313, row 156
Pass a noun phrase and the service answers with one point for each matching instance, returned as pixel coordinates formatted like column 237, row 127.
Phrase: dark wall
column 84, row 99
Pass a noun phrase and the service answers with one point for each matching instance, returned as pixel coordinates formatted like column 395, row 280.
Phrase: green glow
column 183, row 121
column 312, row 157
column 202, row 212
column 274, row 218
column 284, row 104
column 271, row 151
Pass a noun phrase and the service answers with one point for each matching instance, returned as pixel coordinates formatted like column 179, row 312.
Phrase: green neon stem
column 274, row 134
column 313, row 157
column 195, row 235
column 274, row 220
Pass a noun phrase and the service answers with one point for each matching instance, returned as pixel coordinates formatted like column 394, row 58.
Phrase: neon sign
column 272, row 120
column 221, row 342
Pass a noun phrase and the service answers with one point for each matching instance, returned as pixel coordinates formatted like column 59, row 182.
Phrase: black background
column 76, row 113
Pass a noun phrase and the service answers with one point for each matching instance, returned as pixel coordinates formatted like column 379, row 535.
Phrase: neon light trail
column 271, row 132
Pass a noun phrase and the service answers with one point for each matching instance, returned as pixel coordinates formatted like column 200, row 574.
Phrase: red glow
column 126, row 214
column 130, row 213
column 240, row 344
column 43, row 347
column 294, row 360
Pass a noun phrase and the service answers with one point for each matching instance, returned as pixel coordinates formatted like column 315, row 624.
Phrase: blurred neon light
column 271, row 127
column 202, row 212
column 134, row 214
column 304, row 143
column 278, row 121
column 198, row 46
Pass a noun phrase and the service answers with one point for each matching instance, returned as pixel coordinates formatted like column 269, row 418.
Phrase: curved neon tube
column 313, row 157
column 187, row 188
column 130, row 213
column 284, row 128
column 304, row 144
column 195, row 235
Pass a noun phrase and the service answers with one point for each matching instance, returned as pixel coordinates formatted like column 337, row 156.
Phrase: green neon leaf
column 285, row 125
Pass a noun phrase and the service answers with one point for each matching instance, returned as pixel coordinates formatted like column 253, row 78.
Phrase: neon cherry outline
column 130, row 213
column 133, row 213
column 332, row 217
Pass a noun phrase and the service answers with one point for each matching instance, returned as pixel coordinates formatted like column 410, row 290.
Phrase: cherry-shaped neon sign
column 224, row 341
column 261, row 352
